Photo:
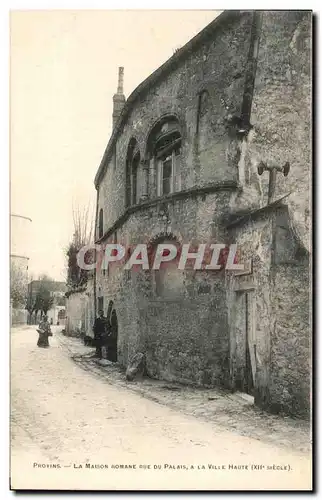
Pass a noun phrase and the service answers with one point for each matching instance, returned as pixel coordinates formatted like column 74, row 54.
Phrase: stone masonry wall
column 281, row 117
column 291, row 333
column 281, row 331
column 188, row 333
column 80, row 314
column 185, row 336
column 218, row 67
column 290, row 388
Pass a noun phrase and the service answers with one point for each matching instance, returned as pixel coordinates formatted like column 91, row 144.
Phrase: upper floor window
column 168, row 173
column 164, row 147
column 100, row 223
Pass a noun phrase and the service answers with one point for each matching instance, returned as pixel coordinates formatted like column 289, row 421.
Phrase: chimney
column 118, row 98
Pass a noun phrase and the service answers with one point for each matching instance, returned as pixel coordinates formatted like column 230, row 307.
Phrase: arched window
column 132, row 173
column 164, row 150
column 100, row 224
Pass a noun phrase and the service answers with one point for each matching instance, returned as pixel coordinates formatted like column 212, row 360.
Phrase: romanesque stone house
column 215, row 146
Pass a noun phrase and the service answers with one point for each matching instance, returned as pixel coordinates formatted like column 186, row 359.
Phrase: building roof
column 218, row 23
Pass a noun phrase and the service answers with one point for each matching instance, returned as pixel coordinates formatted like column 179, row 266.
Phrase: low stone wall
column 18, row 316
column 80, row 313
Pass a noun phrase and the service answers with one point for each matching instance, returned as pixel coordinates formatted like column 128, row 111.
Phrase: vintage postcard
column 161, row 250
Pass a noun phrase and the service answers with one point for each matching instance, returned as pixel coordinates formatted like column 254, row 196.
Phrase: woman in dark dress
column 44, row 332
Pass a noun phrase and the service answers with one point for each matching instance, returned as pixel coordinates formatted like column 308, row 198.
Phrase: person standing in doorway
column 99, row 329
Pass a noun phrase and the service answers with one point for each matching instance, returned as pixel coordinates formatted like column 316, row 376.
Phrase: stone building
column 80, row 310
column 215, row 146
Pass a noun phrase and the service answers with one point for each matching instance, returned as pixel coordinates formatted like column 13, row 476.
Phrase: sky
column 63, row 74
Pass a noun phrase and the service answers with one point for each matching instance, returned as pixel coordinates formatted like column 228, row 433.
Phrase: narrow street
column 66, row 420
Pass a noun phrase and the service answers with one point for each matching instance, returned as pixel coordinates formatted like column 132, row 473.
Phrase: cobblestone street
column 68, row 414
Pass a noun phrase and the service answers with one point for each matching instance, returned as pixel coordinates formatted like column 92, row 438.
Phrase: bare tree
column 83, row 235
column 83, row 226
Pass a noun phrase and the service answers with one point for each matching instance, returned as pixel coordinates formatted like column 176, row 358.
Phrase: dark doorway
column 112, row 338
column 249, row 382
column 100, row 304
column 244, row 380
column 109, row 310
column 61, row 314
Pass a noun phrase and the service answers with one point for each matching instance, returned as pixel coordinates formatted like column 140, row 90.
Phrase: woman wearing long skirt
column 44, row 332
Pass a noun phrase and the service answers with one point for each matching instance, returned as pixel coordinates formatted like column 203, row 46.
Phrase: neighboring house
column 57, row 313
column 183, row 164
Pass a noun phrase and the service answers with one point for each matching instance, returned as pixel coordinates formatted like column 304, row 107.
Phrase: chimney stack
column 118, row 98
column 120, row 82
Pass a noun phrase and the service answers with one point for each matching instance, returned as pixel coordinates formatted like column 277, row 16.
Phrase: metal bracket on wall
column 273, row 169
